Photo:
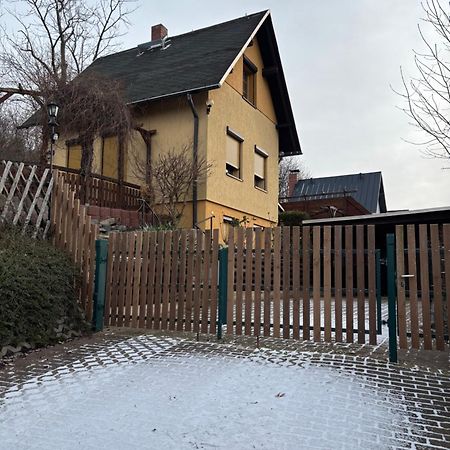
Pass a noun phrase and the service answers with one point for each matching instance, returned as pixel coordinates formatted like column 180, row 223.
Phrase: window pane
column 233, row 152
column 110, row 160
column 74, row 157
column 259, row 165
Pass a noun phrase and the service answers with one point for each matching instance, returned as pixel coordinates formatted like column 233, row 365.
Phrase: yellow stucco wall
column 263, row 97
column 256, row 129
column 174, row 124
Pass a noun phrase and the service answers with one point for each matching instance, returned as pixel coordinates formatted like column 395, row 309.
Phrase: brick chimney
column 293, row 178
column 159, row 32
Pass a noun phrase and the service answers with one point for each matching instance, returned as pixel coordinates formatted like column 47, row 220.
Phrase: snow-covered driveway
column 149, row 392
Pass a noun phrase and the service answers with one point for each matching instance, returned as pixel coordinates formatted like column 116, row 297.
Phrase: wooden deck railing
column 98, row 190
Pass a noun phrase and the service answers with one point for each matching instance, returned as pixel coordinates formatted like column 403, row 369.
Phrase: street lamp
column 52, row 111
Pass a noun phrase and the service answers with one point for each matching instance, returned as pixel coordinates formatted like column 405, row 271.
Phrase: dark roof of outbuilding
column 198, row 61
column 366, row 188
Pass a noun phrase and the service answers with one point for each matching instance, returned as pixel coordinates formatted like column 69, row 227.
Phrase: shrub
column 292, row 218
column 37, row 291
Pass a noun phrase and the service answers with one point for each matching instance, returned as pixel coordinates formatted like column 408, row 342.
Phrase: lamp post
column 52, row 111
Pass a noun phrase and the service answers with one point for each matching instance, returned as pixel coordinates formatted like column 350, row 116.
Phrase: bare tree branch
column 427, row 96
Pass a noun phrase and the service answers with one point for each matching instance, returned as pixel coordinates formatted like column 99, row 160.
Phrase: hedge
column 37, row 291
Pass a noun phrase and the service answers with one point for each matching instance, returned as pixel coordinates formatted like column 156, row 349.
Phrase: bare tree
column 173, row 175
column 16, row 144
column 56, row 40
column 287, row 165
column 428, row 94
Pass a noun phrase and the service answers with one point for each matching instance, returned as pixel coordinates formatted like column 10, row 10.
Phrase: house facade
column 219, row 92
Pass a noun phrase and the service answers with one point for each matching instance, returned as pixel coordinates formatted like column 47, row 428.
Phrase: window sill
column 261, row 189
column 232, row 176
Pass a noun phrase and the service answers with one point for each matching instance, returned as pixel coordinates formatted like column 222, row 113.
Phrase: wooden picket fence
column 163, row 280
column 310, row 283
column 423, row 285
column 74, row 233
column 25, row 194
column 304, row 282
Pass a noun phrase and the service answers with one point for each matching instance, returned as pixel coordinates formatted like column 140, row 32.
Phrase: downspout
column 195, row 162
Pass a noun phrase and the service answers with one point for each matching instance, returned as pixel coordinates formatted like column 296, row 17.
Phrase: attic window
column 249, row 81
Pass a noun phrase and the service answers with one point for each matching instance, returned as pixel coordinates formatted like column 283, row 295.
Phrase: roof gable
column 366, row 188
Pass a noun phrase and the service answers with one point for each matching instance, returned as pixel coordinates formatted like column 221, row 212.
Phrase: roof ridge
column 341, row 176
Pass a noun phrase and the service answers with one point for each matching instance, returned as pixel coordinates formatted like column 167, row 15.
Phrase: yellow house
column 219, row 90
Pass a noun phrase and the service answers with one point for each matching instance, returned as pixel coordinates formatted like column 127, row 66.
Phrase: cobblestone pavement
column 129, row 391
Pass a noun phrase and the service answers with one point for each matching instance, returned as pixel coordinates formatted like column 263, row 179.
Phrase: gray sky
column 340, row 58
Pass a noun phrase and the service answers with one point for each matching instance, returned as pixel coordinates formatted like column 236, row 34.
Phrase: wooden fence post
column 101, row 257
column 392, row 320
column 223, row 289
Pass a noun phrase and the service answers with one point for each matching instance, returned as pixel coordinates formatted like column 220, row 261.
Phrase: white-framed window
column 249, row 81
column 233, row 154
column 260, row 175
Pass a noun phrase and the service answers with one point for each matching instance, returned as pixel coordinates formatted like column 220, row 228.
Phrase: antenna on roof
column 162, row 44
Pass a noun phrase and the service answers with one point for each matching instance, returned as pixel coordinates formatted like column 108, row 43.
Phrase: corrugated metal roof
column 366, row 188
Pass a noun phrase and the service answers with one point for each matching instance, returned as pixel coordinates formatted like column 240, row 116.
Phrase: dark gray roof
column 193, row 61
column 366, row 188
column 198, row 61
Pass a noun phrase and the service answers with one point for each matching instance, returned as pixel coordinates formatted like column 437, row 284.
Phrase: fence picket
column 214, row 279
column 360, row 284
column 286, row 281
column 437, row 286
column 413, row 301
column 175, row 261
column 296, row 282
column 144, row 280
column 401, row 300
column 182, row 281
column 424, row 286
column 198, row 281
column 267, row 279
column 158, row 281
column 151, row 276
column 166, row 279
column 135, row 311
column 206, row 281
column 338, row 282
column 316, row 284
column 258, row 275
column 371, row 268
column 248, row 280
column 306, row 282
column 446, row 234
column 349, row 283
column 190, row 279
column 327, row 282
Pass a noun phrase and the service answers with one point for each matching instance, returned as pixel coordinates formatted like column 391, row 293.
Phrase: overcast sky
column 340, row 59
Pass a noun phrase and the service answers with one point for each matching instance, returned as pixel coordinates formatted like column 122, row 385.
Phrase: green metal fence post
column 223, row 293
column 101, row 257
column 378, row 288
column 392, row 320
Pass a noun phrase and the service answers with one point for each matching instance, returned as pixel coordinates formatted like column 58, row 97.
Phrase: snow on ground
column 188, row 400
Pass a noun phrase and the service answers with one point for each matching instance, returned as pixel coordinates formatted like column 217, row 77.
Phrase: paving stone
column 386, row 405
